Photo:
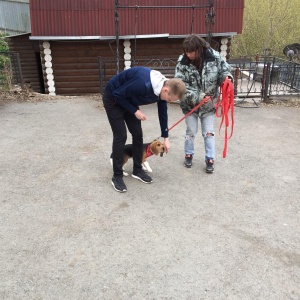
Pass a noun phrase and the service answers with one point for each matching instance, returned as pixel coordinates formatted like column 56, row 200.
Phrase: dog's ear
column 153, row 147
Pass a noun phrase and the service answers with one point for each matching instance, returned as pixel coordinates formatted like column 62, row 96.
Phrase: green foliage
column 3, row 43
column 5, row 72
column 268, row 24
column 3, row 48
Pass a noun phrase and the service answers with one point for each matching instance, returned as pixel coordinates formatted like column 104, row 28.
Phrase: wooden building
column 73, row 43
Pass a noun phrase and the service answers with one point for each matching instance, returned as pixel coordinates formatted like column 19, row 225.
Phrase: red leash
column 205, row 99
column 225, row 105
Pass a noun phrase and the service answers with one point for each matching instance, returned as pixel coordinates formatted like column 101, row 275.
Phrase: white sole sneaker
column 139, row 178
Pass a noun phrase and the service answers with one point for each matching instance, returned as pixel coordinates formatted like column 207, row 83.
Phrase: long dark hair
column 195, row 43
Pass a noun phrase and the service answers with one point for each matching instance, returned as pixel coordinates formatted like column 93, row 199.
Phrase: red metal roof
column 97, row 17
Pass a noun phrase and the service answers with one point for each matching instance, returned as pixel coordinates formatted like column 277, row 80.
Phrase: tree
column 268, row 26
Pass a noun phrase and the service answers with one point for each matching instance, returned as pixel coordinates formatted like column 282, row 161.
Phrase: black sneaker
column 188, row 160
column 142, row 176
column 119, row 184
column 209, row 166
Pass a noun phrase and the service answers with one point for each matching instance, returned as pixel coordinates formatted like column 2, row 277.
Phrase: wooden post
column 265, row 81
column 20, row 70
column 117, row 33
column 236, row 78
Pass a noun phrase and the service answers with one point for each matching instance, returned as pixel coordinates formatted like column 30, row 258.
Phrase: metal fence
column 269, row 76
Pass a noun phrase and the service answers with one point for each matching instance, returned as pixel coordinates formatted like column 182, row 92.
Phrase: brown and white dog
column 156, row 147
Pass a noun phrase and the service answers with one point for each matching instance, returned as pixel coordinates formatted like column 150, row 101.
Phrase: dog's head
column 157, row 147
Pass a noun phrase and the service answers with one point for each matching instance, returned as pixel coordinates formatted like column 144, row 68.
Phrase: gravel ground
column 66, row 234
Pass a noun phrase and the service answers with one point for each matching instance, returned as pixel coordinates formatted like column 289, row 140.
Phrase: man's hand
column 139, row 115
column 166, row 144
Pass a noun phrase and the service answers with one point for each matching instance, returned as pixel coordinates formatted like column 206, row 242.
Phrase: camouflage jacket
column 202, row 83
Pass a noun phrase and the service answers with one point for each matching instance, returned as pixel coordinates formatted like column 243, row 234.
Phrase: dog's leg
column 147, row 166
column 124, row 173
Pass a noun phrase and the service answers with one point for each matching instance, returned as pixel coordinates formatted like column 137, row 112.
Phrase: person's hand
column 203, row 97
column 166, row 144
column 139, row 115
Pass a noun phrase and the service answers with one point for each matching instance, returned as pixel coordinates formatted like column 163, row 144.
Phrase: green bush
column 3, row 42
column 5, row 72
column 3, row 48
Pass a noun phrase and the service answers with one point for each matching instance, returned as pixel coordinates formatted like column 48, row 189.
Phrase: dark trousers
column 118, row 119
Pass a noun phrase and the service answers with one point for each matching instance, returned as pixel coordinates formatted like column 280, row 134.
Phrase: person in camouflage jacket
column 203, row 70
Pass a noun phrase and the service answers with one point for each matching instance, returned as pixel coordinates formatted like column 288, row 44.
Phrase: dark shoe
column 142, row 176
column 209, row 166
column 119, row 184
column 188, row 160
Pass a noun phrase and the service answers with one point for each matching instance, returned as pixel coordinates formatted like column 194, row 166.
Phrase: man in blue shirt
column 123, row 95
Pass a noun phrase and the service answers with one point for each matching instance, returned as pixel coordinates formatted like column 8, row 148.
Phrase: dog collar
column 148, row 151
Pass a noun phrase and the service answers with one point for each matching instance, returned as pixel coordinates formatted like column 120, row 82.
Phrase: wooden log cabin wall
column 29, row 53
column 72, row 67
column 76, row 65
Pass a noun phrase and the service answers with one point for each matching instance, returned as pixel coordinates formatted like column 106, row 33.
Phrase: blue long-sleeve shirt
column 133, row 87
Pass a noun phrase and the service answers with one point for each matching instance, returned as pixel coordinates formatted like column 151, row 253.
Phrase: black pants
column 118, row 119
